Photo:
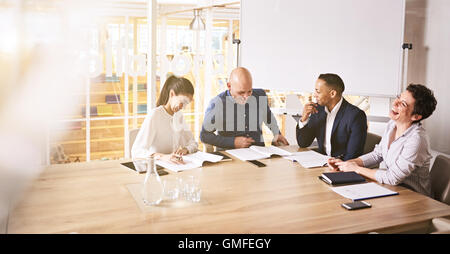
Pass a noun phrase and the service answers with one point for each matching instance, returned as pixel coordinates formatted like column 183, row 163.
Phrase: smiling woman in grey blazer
column 403, row 147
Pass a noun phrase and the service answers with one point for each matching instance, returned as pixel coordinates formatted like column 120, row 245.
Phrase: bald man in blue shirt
column 237, row 115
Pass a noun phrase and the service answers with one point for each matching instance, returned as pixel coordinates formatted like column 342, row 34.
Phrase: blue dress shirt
column 231, row 119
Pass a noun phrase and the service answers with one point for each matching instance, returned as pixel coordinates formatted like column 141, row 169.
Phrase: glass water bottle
column 152, row 191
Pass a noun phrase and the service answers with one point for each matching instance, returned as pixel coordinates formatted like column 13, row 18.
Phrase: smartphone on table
column 356, row 205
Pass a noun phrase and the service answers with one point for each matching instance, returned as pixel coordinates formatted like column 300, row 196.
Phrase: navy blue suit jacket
column 348, row 134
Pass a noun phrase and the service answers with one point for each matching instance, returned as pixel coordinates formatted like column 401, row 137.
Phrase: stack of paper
column 309, row 159
column 363, row 191
column 257, row 152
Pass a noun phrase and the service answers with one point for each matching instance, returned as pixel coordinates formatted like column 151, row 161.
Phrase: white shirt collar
column 336, row 108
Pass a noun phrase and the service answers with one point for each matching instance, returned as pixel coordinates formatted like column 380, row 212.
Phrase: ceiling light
column 197, row 23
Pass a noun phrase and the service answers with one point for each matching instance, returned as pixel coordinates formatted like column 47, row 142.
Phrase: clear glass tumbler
column 171, row 188
column 191, row 189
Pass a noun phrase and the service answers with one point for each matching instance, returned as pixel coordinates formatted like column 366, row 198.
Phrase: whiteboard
column 287, row 44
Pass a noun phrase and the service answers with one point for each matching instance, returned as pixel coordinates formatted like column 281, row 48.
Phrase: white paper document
column 363, row 191
column 191, row 161
column 257, row 152
column 309, row 159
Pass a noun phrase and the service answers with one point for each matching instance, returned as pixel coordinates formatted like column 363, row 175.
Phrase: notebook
column 191, row 161
column 257, row 152
column 363, row 191
column 334, row 178
column 309, row 159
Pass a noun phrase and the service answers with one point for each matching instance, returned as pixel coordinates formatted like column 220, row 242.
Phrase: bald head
column 240, row 76
column 240, row 84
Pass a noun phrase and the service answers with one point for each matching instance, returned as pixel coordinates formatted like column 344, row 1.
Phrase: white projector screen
column 286, row 44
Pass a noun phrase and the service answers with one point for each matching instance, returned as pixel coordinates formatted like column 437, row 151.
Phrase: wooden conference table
column 237, row 197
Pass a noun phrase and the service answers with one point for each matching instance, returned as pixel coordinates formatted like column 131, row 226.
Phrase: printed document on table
column 257, row 152
column 363, row 191
column 191, row 161
column 246, row 154
column 202, row 157
column 309, row 159
column 270, row 150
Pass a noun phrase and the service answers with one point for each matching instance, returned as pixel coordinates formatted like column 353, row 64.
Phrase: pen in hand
column 178, row 154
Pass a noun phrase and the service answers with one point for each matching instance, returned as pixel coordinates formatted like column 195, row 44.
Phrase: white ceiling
column 138, row 8
column 177, row 2
column 158, row 1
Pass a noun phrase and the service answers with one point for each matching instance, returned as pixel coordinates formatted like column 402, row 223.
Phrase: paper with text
column 257, row 152
column 246, row 154
column 363, row 191
column 270, row 150
column 191, row 161
column 309, row 159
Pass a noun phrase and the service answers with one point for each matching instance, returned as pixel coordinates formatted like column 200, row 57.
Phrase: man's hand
column 280, row 140
column 308, row 109
column 243, row 142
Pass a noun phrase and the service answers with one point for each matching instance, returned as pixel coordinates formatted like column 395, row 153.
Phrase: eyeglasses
column 402, row 102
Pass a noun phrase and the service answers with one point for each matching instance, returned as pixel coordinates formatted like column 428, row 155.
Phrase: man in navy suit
column 340, row 127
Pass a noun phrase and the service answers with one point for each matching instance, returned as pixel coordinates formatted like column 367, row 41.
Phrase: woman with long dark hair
column 164, row 133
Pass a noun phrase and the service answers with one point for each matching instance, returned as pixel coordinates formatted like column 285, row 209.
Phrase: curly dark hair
column 425, row 102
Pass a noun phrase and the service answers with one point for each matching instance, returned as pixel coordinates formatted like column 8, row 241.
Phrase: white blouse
column 407, row 159
column 162, row 133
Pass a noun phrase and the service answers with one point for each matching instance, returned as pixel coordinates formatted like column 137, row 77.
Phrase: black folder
column 335, row 178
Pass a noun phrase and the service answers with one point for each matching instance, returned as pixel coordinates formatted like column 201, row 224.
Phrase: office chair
column 132, row 137
column 371, row 141
column 440, row 179
column 440, row 226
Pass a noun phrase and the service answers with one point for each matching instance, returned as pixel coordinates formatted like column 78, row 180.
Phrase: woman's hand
column 172, row 158
column 347, row 166
column 332, row 163
column 177, row 156
column 181, row 151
